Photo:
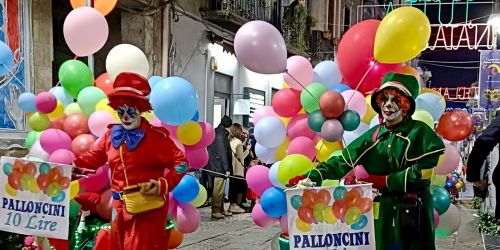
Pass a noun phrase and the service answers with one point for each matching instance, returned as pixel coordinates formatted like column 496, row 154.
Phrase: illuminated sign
column 454, row 36
column 390, row 7
column 457, row 94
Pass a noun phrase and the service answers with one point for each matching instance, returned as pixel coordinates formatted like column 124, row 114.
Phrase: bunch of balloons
column 21, row 176
column 348, row 207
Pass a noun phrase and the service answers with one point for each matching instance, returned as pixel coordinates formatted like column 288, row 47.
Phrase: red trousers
column 138, row 232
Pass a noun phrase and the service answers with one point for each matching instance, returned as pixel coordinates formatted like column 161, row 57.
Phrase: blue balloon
column 360, row 224
column 340, row 87
column 296, row 201
column 59, row 197
column 26, row 102
column 7, row 168
column 339, row 192
column 154, row 80
column 62, row 95
column 327, row 73
column 186, row 190
column 44, row 168
column 430, row 103
column 196, row 116
column 6, row 59
column 273, row 202
column 174, row 100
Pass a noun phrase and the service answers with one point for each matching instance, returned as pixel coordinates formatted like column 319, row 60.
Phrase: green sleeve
column 337, row 167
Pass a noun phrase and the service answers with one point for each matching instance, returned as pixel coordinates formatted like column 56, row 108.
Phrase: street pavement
column 239, row 232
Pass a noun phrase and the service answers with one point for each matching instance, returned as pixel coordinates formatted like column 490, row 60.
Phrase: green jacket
column 407, row 154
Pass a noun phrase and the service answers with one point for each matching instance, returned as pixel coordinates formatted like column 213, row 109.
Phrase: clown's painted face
column 130, row 117
column 391, row 109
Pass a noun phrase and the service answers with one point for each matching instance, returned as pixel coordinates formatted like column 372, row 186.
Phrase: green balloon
column 296, row 201
column 73, row 108
column 336, row 153
column 74, row 75
column 309, row 97
column 350, row 120
column 74, row 208
column 440, row 199
column 31, row 139
column 315, row 120
column 330, row 183
column 88, row 99
column 39, row 122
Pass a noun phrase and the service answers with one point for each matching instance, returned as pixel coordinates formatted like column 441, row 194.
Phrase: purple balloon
column 188, row 218
column 260, row 47
column 331, row 130
column 258, row 179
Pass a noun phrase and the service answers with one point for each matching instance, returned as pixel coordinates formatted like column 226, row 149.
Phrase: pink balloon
column 436, row 218
column 76, row 124
column 260, row 218
column 63, row 156
column 298, row 126
column 156, row 122
column 450, row 161
column 355, row 57
column 286, row 102
column 332, row 130
column 299, row 72
column 304, row 146
column 172, row 130
column 179, row 145
column 355, row 101
column 207, row 136
column 95, row 182
column 258, row 179
column 105, row 207
column 260, row 47
column 262, row 112
column 85, row 31
column 99, row 121
column 172, row 205
column 45, row 102
column 37, row 151
column 53, row 139
column 188, row 218
column 284, row 223
column 57, row 123
column 82, row 144
column 197, row 158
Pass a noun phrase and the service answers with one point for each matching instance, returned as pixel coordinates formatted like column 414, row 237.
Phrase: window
column 223, row 85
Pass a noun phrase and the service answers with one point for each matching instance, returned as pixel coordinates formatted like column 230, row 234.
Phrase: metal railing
column 247, row 9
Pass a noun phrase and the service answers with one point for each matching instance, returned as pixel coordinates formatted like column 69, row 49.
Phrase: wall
column 42, row 44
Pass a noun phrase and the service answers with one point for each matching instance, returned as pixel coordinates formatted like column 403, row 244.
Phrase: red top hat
column 132, row 85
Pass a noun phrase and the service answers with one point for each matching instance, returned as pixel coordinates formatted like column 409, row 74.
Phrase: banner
column 331, row 217
column 35, row 198
column 489, row 79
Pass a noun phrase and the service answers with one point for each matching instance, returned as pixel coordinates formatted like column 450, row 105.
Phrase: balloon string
column 303, row 87
column 232, row 177
column 359, row 83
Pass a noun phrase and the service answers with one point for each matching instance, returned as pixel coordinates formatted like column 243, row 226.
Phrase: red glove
column 88, row 201
column 379, row 181
column 295, row 180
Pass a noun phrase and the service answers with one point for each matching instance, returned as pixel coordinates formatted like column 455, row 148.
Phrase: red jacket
column 155, row 154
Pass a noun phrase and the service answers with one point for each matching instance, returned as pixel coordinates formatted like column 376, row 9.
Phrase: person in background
column 219, row 165
column 237, row 187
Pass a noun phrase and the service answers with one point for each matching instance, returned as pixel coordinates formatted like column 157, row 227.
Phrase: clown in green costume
column 398, row 157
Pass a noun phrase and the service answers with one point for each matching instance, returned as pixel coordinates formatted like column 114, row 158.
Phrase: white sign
column 242, row 107
column 331, row 217
column 464, row 35
column 34, row 198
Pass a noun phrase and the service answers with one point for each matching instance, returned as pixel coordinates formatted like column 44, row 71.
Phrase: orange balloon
column 455, row 125
column 54, row 175
column 103, row 6
column 57, row 123
column 364, row 205
column 410, row 71
column 309, row 198
column 64, row 182
column 352, row 197
column 323, row 197
column 175, row 239
column 306, row 214
column 104, row 83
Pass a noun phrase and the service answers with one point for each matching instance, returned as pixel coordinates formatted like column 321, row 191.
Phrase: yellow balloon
column 74, row 188
column 10, row 190
column 439, row 180
column 103, row 105
column 58, row 112
column 38, row 121
column 423, row 116
column 325, row 149
column 148, row 116
column 200, row 198
column 285, row 85
column 402, row 35
column 328, row 215
column 281, row 151
column 302, row 111
column 73, row 108
column 302, row 226
column 285, row 120
column 293, row 165
column 370, row 113
column 189, row 133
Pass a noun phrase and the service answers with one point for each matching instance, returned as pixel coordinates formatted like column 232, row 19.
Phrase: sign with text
column 331, row 217
column 35, row 198
column 489, row 79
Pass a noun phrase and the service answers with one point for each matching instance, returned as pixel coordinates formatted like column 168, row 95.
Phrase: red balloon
column 105, row 207
column 455, row 125
column 364, row 205
column 306, row 214
column 331, row 104
column 309, row 198
column 175, row 239
column 339, row 209
column 29, row 168
column 54, row 175
column 59, row 244
column 14, row 179
column 75, row 125
column 64, row 182
column 57, row 123
column 286, row 102
column 352, row 198
column 323, row 197
column 355, row 57
column 104, row 83
column 82, row 144
column 43, row 181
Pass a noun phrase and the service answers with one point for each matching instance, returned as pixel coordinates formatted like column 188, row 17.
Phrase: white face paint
column 130, row 117
column 391, row 109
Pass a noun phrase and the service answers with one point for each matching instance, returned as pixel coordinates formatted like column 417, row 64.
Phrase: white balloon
column 350, row 136
column 126, row 58
column 37, row 152
column 270, row 132
column 265, row 155
column 449, row 222
column 374, row 122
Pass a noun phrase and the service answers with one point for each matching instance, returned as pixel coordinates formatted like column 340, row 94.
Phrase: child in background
column 251, row 195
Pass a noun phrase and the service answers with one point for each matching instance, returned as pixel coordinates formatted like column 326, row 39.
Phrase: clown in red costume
column 150, row 160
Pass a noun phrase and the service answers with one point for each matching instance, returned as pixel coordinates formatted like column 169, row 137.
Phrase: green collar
column 404, row 127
